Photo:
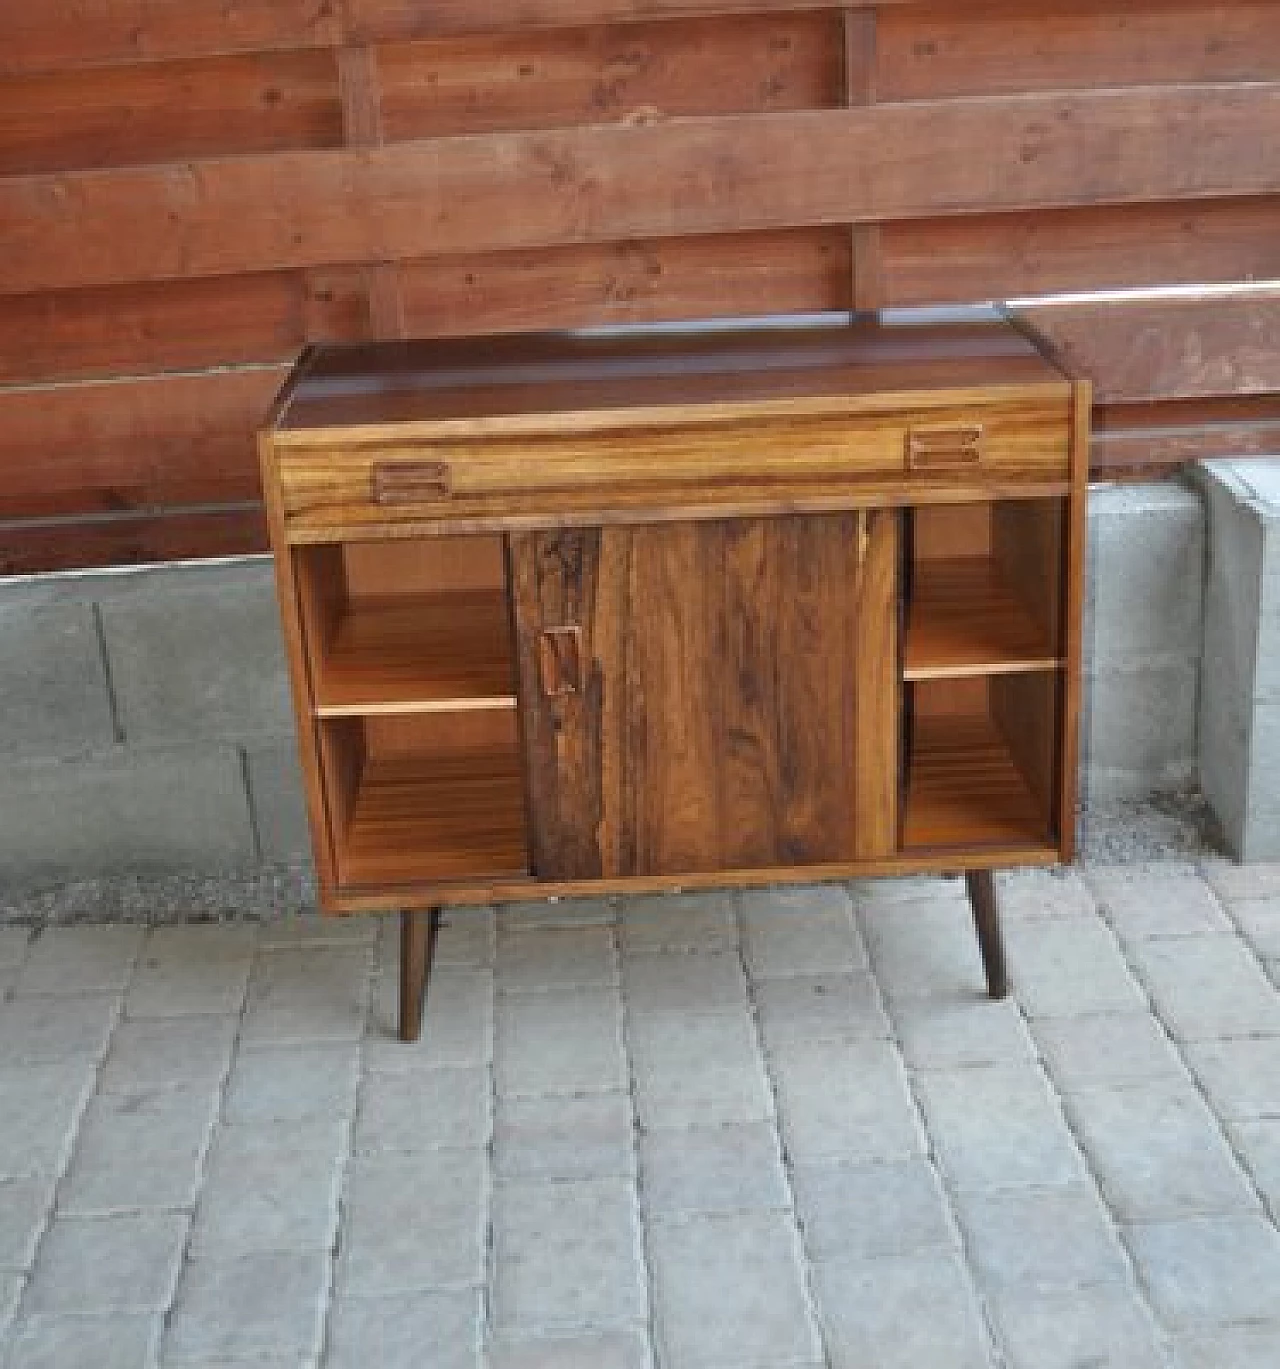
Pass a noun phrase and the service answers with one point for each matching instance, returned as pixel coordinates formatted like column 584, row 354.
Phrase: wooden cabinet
column 649, row 609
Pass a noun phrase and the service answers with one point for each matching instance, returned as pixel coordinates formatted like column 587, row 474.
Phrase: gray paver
column 168, row 1052
column 192, row 969
column 24, row 1208
column 411, row 1223
column 560, row 1043
column 80, row 960
column 319, row 994
column 1208, row 986
column 712, row 1169
column 14, row 942
column 1230, row 881
column 1258, row 1143
column 40, row 1105
column 415, row 1331
column 713, row 982
column 925, row 950
column 1088, row 1328
column 943, row 1036
column 97, row 1342
column 467, row 937
column 728, row 1290
column 1143, row 904
column 556, row 912
column 139, row 1150
column 305, row 928
column 800, row 930
column 278, row 798
column 997, row 1126
column 292, row 1085
column 625, row 1347
column 116, row 1264
column 1044, row 893
column 1063, row 968
column 844, row 1099
column 877, row 1209
column 679, row 922
column 11, row 1286
column 444, row 1107
column 566, row 1255
column 254, row 1305
column 1241, row 1076
column 1158, row 1152
column 555, row 958
column 1230, row 1347
column 1112, row 1048
column 698, row 1070
column 457, row 1023
column 838, row 1007
column 587, row 1137
column 35, row 1029
column 872, row 1313
column 1259, row 921
column 1209, row 1269
column 1040, row 1238
column 270, row 1187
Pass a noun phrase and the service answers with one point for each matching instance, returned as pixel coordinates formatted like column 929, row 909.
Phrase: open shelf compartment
column 981, row 763
column 983, row 589
column 406, row 627
column 425, row 797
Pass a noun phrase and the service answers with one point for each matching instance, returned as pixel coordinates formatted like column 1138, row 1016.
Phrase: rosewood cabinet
column 573, row 613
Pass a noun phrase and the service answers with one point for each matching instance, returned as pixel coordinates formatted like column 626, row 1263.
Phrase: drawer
column 727, row 464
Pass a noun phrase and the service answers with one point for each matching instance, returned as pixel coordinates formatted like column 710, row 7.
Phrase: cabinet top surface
column 484, row 380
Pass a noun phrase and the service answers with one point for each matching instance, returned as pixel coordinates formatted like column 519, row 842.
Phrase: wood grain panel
column 638, row 281
column 132, row 443
column 605, row 183
column 29, row 548
column 609, row 74
column 1003, row 256
column 1137, row 350
column 168, row 112
column 876, row 703
column 991, row 47
column 176, row 325
column 1148, row 441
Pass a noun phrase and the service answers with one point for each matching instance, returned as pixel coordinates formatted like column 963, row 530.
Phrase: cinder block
column 279, row 805
column 1240, row 681
column 1148, row 548
column 52, row 680
column 178, row 809
column 191, row 658
column 1141, row 729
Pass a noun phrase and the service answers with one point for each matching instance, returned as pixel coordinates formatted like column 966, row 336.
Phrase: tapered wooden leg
column 417, row 946
column 981, row 886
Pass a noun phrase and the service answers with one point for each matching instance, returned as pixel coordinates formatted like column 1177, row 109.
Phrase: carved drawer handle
column 405, row 482
column 942, row 448
column 560, row 661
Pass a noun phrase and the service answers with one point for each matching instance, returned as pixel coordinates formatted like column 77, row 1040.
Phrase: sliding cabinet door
column 701, row 696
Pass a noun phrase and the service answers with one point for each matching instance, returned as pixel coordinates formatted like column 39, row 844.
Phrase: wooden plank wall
column 190, row 190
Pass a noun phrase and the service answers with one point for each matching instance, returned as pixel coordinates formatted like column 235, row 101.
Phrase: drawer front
column 721, row 464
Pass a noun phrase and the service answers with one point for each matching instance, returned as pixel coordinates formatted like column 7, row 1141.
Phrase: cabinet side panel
column 567, row 597
column 874, row 754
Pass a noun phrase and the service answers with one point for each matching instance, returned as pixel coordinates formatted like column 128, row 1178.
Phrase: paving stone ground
column 780, row 1129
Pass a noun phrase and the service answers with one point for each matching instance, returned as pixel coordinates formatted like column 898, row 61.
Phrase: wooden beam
column 605, row 183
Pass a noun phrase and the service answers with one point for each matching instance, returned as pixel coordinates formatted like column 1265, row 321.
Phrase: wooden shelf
column 422, row 653
column 965, row 620
column 456, row 816
column 964, row 790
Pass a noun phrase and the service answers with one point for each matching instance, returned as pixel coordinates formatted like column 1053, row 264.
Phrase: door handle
column 405, row 482
column 560, row 661
column 944, row 448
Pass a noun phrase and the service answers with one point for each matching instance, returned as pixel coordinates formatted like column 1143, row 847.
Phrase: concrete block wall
column 145, row 725
column 1240, row 699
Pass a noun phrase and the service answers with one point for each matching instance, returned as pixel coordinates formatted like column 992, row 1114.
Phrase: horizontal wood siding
column 190, row 191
